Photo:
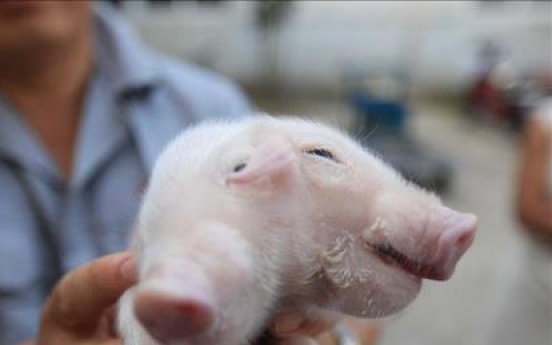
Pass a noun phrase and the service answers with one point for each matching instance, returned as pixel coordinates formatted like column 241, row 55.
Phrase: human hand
column 293, row 329
column 290, row 328
column 81, row 308
column 350, row 331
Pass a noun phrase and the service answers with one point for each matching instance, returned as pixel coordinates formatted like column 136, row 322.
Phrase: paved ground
column 458, row 312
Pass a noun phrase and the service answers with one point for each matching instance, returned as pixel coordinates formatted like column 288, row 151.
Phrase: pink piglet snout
column 456, row 234
column 174, row 305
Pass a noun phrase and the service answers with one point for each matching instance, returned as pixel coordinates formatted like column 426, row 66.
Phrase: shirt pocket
column 20, row 256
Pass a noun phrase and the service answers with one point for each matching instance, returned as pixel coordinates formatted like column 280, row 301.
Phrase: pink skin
column 452, row 243
column 186, row 309
column 246, row 222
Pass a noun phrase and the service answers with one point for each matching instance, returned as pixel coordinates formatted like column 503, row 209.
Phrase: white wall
column 436, row 40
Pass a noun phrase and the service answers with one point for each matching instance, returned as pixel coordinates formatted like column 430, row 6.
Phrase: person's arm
column 534, row 206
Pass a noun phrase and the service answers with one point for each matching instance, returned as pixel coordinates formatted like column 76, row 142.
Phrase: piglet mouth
column 391, row 256
column 450, row 234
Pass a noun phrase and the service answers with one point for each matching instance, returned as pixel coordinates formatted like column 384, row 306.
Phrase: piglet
column 266, row 216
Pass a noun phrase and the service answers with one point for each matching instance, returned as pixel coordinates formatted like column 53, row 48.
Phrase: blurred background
column 441, row 89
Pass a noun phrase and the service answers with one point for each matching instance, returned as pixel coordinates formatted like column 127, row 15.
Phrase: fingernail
column 299, row 341
column 128, row 268
column 287, row 323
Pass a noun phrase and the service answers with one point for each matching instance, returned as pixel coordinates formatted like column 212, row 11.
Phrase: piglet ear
column 274, row 158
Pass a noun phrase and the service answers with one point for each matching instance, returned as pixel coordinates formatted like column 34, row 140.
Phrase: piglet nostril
column 457, row 234
column 174, row 305
column 461, row 233
column 169, row 318
column 466, row 237
column 464, row 240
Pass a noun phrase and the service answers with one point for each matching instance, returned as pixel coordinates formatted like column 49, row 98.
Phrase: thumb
column 79, row 300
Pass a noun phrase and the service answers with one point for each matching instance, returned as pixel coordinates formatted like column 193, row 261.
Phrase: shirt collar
column 122, row 61
column 127, row 63
column 19, row 145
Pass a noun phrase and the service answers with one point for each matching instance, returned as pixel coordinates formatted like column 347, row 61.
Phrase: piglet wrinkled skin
column 249, row 220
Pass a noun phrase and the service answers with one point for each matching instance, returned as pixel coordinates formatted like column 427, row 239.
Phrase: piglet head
column 212, row 262
column 380, row 235
column 185, row 288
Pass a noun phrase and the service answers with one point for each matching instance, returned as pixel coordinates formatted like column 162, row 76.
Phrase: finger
column 113, row 342
column 81, row 297
column 296, row 341
column 293, row 324
column 367, row 331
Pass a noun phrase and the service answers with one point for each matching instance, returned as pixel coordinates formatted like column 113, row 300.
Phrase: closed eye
column 320, row 152
column 239, row 167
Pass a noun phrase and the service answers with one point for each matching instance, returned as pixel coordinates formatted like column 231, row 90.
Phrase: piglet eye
column 321, row 153
column 239, row 167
